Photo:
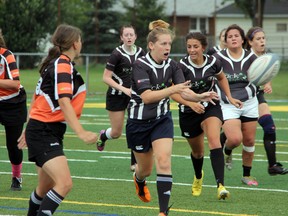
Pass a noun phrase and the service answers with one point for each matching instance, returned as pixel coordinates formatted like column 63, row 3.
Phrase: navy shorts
column 44, row 140
column 117, row 102
column 140, row 133
column 190, row 123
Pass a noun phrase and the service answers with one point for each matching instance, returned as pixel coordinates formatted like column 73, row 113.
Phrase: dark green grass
column 103, row 182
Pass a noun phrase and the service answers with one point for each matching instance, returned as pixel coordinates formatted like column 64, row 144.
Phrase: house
column 275, row 23
column 211, row 16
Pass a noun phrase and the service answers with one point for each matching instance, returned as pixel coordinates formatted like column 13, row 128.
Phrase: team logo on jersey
column 139, row 148
column 236, row 77
column 158, row 86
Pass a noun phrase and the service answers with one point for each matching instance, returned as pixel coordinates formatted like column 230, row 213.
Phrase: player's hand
column 88, row 137
column 197, row 107
column 267, row 88
column 22, row 141
column 237, row 103
column 209, row 97
column 179, row 88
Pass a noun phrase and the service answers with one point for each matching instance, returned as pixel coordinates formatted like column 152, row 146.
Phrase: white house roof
column 204, row 8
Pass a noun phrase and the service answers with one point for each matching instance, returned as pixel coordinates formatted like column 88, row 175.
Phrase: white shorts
column 249, row 110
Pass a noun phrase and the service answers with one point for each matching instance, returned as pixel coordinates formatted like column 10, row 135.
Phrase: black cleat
column 277, row 169
column 16, row 184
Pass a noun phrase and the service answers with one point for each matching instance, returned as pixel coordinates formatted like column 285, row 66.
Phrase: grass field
column 103, row 182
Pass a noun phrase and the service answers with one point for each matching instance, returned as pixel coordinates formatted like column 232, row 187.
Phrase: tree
column 140, row 14
column 99, row 30
column 254, row 9
column 23, row 23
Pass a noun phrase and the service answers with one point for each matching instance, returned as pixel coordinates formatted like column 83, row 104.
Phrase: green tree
column 23, row 23
column 140, row 14
column 99, row 30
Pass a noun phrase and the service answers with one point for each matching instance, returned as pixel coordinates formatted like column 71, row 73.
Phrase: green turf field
column 103, row 182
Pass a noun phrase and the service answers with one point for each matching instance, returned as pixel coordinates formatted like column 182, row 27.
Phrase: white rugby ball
column 264, row 69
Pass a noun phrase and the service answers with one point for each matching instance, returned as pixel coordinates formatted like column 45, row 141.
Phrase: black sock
column 133, row 159
column 222, row 139
column 227, row 151
column 103, row 137
column 198, row 165
column 50, row 203
column 246, row 170
column 270, row 148
column 164, row 186
column 217, row 162
column 34, row 204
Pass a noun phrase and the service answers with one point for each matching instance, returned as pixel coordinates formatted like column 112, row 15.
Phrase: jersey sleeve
column 112, row 60
column 64, row 79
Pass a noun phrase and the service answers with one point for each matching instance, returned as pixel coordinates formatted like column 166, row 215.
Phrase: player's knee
column 267, row 123
column 249, row 149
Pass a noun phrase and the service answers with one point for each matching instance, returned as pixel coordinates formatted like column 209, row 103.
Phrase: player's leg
column 115, row 131
column 232, row 130
column 249, row 132
column 197, row 158
column 58, row 170
column 162, row 149
column 143, row 169
column 269, row 139
column 211, row 127
column 15, row 154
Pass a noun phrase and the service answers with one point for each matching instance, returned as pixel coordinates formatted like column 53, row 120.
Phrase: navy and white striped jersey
column 202, row 77
column 147, row 74
column 236, row 73
column 120, row 62
column 213, row 50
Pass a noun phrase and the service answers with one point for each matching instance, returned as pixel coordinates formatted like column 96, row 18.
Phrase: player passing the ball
column 199, row 119
column 58, row 98
column 239, row 123
column 256, row 42
column 149, row 127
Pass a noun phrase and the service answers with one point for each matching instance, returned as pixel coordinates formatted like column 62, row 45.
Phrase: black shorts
column 13, row 114
column 190, row 123
column 117, row 102
column 140, row 134
column 44, row 141
column 260, row 97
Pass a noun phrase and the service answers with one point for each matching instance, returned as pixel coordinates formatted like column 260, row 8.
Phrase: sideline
column 174, row 106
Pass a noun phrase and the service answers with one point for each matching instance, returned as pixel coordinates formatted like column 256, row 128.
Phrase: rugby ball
column 263, row 69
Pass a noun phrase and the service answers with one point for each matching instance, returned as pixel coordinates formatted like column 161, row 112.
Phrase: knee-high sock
column 217, row 162
column 164, row 186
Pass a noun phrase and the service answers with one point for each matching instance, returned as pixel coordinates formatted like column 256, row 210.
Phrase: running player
column 149, row 127
column 256, row 42
column 197, row 119
column 59, row 98
column 117, row 75
column 13, row 110
column 240, row 124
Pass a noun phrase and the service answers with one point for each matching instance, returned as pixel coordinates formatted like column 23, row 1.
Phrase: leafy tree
column 24, row 22
column 140, row 14
column 99, row 30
